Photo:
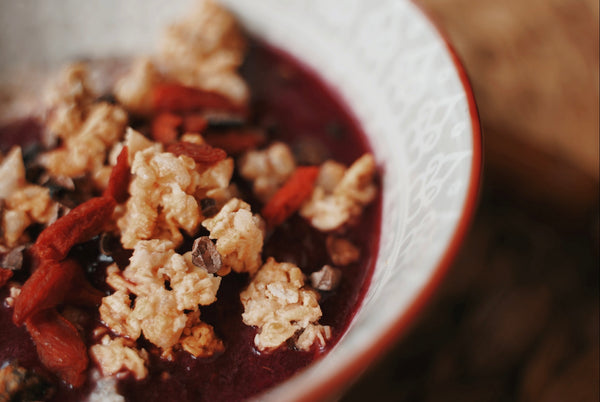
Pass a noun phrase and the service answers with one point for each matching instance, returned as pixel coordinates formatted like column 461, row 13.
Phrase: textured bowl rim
column 341, row 380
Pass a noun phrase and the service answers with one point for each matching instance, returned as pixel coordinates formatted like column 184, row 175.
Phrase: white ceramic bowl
column 398, row 76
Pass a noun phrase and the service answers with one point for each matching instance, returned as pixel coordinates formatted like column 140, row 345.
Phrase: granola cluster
column 161, row 175
column 158, row 295
column 278, row 303
column 87, row 130
column 340, row 194
column 165, row 195
column 119, row 355
column 21, row 203
column 204, row 50
column 267, row 169
column 239, row 235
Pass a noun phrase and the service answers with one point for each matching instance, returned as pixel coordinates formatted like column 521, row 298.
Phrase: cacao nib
column 205, row 255
column 327, row 278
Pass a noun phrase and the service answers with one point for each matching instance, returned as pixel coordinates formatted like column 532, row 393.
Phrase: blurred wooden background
column 534, row 69
column 516, row 318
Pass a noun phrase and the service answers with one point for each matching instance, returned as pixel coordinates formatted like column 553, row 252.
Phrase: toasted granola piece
column 70, row 101
column 23, row 203
column 134, row 90
column 164, row 287
column 165, row 192
column 105, row 388
column 118, row 355
column 215, row 182
column 341, row 251
column 313, row 334
column 115, row 279
column 135, row 142
column 205, row 50
column 357, row 183
column 268, row 169
column 239, row 236
column 200, row 340
column 85, row 151
column 162, row 323
column 116, row 313
column 14, row 224
column 191, row 285
column 35, row 201
column 330, row 208
column 330, row 175
column 12, row 172
column 277, row 302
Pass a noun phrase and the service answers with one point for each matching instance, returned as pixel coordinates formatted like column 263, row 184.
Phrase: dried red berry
column 82, row 293
column 79, row 225
column 165, row 127
column 118, row 184
column 290, row 197
column 45, row 288
column 201, row 153
column 59, row 346
column 235, row 142
column 194, row 123
column 5, row 275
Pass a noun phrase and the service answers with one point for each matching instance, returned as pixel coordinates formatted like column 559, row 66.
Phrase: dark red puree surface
column 299, row 109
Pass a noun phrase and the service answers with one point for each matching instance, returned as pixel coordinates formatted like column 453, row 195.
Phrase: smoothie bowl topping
column 174, row 232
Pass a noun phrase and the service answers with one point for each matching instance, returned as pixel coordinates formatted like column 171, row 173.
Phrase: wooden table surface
column 516, row 318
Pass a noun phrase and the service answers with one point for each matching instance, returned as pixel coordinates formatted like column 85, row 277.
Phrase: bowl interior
column 396, row 74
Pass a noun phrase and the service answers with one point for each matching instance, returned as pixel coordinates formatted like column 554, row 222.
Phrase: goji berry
column 194, row 123
column 180, row 98
column 165, row 127
column 80, row 224
column 82, row 293
column 118, row 182
column 235, row 142
column 201, row 153
column 290, row 196
column 59, row 346
column 5, row 275
column 45, row 288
